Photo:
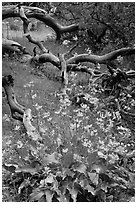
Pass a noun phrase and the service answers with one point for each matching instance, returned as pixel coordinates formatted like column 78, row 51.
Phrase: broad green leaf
column 52, row 158
column 23, row 184
column 90, row 189
column 49, row 195
column 80, row 168
column 97, row 168
column 67, row 172
column 92, row 158
column 49, row 179
column 67, row 159
column 32, row 168
column 27, row 170
column 94, row 177
column 36, row 196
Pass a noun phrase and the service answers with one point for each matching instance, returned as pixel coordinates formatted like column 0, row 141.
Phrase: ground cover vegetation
column 68, row 112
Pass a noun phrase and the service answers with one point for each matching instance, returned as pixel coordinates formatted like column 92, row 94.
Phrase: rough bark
column 101, row 59
column 39, row 14
column 31, row 130
column 16, row 109
column 38, row 43
column 104, row 59
column 10, row 46
column 25, row 12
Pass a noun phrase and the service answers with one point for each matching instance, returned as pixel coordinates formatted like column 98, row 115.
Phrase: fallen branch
column 101, row 59
column 10, row 46
column 26, row 12
column 39, row 14
column 26, row 30
column 36, row 42
column 104, row 59
column 31, row 130
column 16, row 109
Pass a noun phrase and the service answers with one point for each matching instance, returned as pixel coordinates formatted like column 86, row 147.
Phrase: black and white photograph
column 68, row 101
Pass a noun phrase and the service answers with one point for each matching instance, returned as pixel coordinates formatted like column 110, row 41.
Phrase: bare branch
column 10, row 46
column 36, row 42
column 101, row 59
column 71, row 49
column 17, row 110
column 104, row 59
column 41, row 15
column 22, row 14
column 31, row 130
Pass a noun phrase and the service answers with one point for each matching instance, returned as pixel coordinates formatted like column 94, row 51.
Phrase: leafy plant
column 86, row 146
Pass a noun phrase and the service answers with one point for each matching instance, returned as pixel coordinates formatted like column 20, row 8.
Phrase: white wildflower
column 65, row 150
column 46, row 114
column 79, row 114
column 34, row 96
column 65, row 42
column 37, row 106
column 19, row 144
column 17, row 127
column 6, row 118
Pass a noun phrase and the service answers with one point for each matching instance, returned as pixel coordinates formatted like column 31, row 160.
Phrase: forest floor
column 38, row 91
column 27, row 84
column 84, row 132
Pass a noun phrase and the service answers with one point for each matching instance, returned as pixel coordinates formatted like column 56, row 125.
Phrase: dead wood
column 16, row 109
column 39, row 14
column 31, row 130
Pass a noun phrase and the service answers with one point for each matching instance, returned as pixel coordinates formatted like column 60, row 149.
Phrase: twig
column 26, row 31
column 71, row 49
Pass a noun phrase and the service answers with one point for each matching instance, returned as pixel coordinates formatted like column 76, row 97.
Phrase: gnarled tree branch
column 31, row 130
column 26, row 30
column 39, row 14
column 101, row 59
column 17, row 110
column 10, row 46
column 104, row 59
column 26, row 12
